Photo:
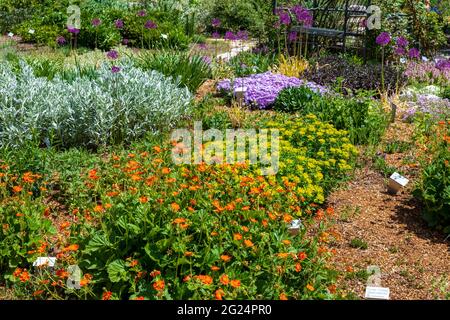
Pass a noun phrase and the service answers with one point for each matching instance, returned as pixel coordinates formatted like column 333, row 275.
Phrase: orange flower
column 165, row 170
column 225, row 257
column 61, row 273
column 17, row 189
column 99, row 208
column 17, row 272
column 143, row 199
column 283, row 296
column 282, row 255
column 237, row 236
column 134, row 263
column 224, row 279
column 188, row 254
column 302, row 256
column 244, row 228
column 286, row 242
column 179, row 221
column 19, row 214
column 86, row 279
column 28, row 177
column 287, row 218
column 332, row 289
column 65, row 225
column 155, row 273
column 24, row 276
column 310, row 287
column 72, row 247
column 107, row 295
column 157, row 149
column 186, row 278
column 298, row 267
column 215, row 268
column 205, row 279
column 235, row 283
column 175, row 207
column 93, row 175
column 218, row 294
column 112, row 194
column 214, row 233
column 38, row 293
column 248, row 243
column 159, row 285
column 139, row 298
column 264, row 223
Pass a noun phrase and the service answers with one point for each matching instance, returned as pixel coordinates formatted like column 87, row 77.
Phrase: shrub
column 247, row 63
column 294, row 99
column 446, row 93
column 190, row 71
column 112, row 108
column 433, row 189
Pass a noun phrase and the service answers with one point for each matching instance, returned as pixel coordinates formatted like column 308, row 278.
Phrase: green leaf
column 117, row 270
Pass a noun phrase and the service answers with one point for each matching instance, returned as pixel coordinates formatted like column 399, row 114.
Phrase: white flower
column 424, row 59
column 31, row 31
column 403, row 60
column 10, row 34
column 164, row 36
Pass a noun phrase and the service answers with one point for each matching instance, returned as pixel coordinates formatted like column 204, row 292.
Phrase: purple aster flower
column 414, row 53
column 142, row 13
column 73, row 30
column 229, row 35
column 150, row 25
column 115, row 69
column 292, row 36
column 383, row 39
column 125, row 41
column 113, row 54
column 61, row 40
column 402, row 42
column 216, row 23
column 215, row 35
column 96, row 22
column 118, row 23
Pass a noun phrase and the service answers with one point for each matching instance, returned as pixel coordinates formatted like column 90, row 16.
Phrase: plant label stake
column 396, row 182
column 294, row 227
column 240, row 95
column 374, row 290
column 45, row 261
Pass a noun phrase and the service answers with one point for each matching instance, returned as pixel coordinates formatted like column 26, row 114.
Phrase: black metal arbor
column 337, row 23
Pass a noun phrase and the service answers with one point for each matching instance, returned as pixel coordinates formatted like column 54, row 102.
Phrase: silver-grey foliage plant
column 111, row 108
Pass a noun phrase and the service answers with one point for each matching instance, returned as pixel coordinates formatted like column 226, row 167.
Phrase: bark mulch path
column 413, row 258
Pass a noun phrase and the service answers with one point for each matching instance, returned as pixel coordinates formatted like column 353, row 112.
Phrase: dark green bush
column 295, row 99
column 446, row 93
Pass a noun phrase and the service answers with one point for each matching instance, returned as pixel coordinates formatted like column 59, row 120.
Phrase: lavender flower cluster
column 429, row 72
column 432, row 105
column 263, row 88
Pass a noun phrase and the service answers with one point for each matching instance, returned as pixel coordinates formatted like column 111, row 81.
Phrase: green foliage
column 247, row 63
column 445, row 93
column 191, row 71
column 358, row 243
column 295, row 99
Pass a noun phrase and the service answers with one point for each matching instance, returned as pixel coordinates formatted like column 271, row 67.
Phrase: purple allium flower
column 443, row 64
column 303, row 15
column 73, row 30
column 414, row 53
column 202, row 46
column 400, row 51
column 207, row 60
column 383, row 39
column 115, row 69
column 61, row 40
column 285, row 18
column 242, row 35
column 229, row 35
column 118, row 23
column 292, row 36
column 215, row 35
column 142, row 13
column 216, row 23
column 113, row 54
column 263, row 88
column 125, row 41
column 150, row 25
column 96, row 22
column 402, row 42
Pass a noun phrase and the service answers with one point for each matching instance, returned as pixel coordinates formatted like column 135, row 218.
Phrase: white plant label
column 399, row 179
column 377, row 293
column 41, row 261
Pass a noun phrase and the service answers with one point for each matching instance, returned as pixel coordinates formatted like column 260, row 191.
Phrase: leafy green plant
column 358, row 244
column 247, row 63
column 445, row 93
column 295, row 99
column 190, row 71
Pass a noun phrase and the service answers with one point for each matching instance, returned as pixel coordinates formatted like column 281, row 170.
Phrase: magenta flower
column 383, row 39
column 96, row 22
column 113, row 54
column 215, row 35
column 142, row 13
column 118, row 23
column 242, row 35
column 303, row 15
column 207, row 60
column 402, row 42
column 229, row 35
column 400, row 51
column 61, row 40
column 150, row 25
column 73, row 30
column 125, row 41
column 292, row 36
column 202, row 46
column 414, row 53
column 216, row 23
column 115, row 69
column 285, row 18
